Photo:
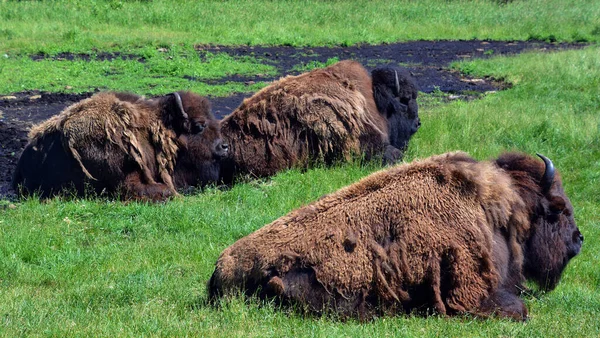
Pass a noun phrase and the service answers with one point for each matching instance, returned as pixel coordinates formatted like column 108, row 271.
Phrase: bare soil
column 427, row 60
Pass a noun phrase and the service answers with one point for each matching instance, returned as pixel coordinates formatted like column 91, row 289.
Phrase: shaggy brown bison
column 448, row 234
column 325, row 115
column 121, row 143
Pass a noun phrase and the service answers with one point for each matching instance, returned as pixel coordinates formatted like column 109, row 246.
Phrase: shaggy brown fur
column 446, row 233
column 122, row 143
column 324, row 115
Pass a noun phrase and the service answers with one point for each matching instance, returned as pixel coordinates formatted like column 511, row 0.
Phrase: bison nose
column 416, row 126
column 221, row 149
column 577, row 236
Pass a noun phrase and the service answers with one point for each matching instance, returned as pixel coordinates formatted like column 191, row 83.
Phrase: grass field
column 82, row 25
column 102, row 268
column 159, row 73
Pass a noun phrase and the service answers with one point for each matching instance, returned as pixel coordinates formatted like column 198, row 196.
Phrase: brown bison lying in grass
column 325, row 115
column 447, row 233
column 120, row 143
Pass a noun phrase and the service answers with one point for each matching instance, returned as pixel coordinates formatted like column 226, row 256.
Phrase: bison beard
column 325, row 115
column 121, row 143
column 447, row 233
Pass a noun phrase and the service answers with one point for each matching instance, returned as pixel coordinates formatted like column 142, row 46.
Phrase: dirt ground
column 428, row 61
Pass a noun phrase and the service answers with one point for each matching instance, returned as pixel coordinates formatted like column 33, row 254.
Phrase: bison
column 123, row 144
column 325, row 115
column 447, row 234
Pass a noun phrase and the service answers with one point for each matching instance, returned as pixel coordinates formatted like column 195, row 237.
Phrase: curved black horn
column 180, row 105
column 548, row 177
column 397, row 83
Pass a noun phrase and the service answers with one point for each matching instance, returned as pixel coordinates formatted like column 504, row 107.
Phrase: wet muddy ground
column 427, row 60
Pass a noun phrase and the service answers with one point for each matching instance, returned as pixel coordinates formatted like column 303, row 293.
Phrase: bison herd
column 147, row 149
column 447, row 234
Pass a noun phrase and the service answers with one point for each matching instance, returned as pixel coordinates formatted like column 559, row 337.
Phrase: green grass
column 78, row 25
column 141, row 28
column 100, row 268
column 179, row 67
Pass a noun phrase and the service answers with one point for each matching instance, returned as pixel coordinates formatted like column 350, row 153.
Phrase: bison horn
column 397, row 83
column 548, row 177
column 180, row 105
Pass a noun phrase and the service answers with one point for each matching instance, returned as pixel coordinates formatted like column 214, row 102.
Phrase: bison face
column 554, row 237
column 185, row 112
column 199, row 160
column 202, row 147
column 395, row 92
column 554, row 240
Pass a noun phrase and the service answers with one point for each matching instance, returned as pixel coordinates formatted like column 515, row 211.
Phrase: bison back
column 319, row 116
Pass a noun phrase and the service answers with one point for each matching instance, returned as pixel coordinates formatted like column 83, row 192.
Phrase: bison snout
column 416, row 125
column 575, row 246
column 221, row 149
column 577, row 237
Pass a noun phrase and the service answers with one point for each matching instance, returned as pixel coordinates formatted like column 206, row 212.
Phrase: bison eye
column 553, row 219
column 198, row 127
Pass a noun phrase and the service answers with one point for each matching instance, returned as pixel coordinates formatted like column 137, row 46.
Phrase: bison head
column 395, row 93
column 184, row 112
column 553, row 237
column 202, row 148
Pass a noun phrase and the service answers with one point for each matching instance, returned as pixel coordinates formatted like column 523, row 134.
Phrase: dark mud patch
column 428, row 61
column 425, row 53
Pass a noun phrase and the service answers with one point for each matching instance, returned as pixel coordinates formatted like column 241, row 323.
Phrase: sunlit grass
column 78, row 25
column 147, row 72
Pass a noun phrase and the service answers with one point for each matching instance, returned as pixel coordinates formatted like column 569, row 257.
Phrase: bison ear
column 557, row 204
column 387, row 105
column 381, row 97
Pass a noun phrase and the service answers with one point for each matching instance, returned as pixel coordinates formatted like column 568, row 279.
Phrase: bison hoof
column 391, row 155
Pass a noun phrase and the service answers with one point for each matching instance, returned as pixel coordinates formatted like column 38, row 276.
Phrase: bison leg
column 468, row 280
column 136, row 189
column 391, row 155
column 300, row 285
column 435, row 277
column 503, row 303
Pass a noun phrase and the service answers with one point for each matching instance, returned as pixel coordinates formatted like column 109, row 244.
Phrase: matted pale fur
column 323, row 114
column 104, row 117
